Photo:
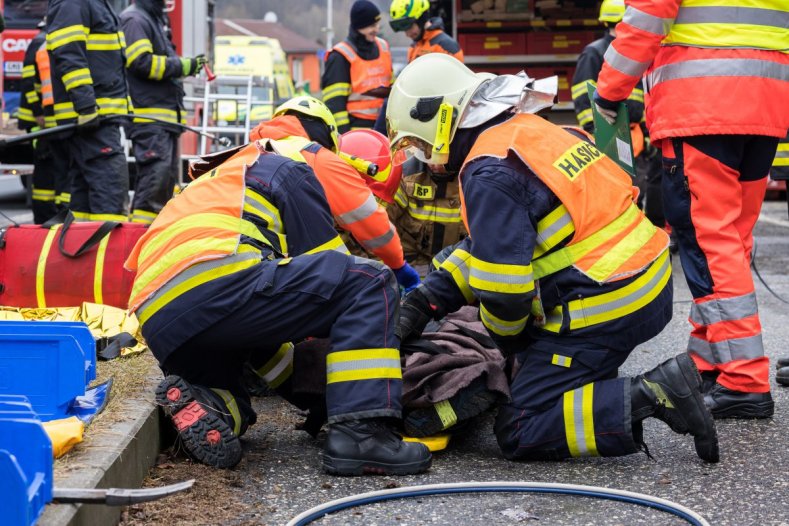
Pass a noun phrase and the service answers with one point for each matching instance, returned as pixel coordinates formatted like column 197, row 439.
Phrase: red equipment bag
column 64, row 265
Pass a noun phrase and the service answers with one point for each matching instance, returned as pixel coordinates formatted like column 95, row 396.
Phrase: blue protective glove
column 407, row 277
column 606, row 108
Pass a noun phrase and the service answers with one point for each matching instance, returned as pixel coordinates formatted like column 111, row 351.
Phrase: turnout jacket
column 30, row 103
column 86, row 47
column 154, row 67
column 434, row 40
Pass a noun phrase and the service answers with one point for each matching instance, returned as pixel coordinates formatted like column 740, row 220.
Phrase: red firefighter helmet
column 374, row 147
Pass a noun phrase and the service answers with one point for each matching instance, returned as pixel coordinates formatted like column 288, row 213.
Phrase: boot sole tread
column 747, row 410
column 350, row 467
column 225, row 453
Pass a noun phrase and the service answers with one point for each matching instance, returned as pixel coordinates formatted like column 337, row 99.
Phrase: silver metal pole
column 329, row 28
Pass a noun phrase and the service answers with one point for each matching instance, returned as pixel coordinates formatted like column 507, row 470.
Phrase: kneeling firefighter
column 307, row 124
column 569, row 274
column 236, row 266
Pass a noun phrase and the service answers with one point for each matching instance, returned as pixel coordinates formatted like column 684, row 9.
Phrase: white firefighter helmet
column 426, row 104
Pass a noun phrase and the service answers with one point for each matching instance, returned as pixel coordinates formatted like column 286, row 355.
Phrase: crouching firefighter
column 236, row 266
column 569, row 274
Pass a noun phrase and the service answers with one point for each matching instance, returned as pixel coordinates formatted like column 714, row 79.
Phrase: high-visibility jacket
column 710, row 66
column 44, row 75
column 596, row 230
column 434, row 40
column 351, row 202
column 780, row 168
column 366, row 75
column 86, row 47
column 154, row 68
column 30, row 103
column 217, row 226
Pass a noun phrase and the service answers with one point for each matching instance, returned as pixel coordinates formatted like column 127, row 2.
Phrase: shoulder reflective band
column 443, row 129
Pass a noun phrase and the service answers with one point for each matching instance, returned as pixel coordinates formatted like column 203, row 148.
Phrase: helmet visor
column 407, row 147
column 401, row 24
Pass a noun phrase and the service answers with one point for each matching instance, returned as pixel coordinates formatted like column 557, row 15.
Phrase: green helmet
column 311, row 107
column 426, row 104
column 405, row 13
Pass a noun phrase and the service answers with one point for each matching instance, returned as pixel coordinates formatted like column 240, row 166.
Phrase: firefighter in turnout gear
column 31, row 118
column 412, row 17
column 712, row 71
column 86, row 48
column 358, row 72
column 308, row 123
column 243, row 261
column 154, row 72
column 590, row 62
column 569, row 274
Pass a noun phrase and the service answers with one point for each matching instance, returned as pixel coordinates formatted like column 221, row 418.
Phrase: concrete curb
column 119, row 457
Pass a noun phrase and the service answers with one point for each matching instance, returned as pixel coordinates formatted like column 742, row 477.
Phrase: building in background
column 303, row 54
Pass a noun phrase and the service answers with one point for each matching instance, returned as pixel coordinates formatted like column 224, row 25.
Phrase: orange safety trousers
column 713, row 189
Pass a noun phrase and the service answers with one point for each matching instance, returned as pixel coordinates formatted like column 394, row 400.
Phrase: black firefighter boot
column 357, row 447
column 203, row 421
column 727, row 403
column 671, row 392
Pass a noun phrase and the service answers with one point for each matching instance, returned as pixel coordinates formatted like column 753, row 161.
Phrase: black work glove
column 415, row 313
column 511, row 345
column 88, row 120
column 191, row 66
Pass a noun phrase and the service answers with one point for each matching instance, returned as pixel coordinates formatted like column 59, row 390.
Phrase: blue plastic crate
column 44, row 363
column 25, row 463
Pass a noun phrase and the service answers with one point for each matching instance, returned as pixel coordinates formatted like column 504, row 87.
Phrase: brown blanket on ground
column 431, row 374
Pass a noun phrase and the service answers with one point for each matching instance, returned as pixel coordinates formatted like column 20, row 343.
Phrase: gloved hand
column 510, row 345
column 415, row 313
column 88, row 120
column 607, row 108
column 192, row 65
column 407, row 277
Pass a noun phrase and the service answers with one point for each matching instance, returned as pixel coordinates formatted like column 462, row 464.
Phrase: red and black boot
column 206, row 426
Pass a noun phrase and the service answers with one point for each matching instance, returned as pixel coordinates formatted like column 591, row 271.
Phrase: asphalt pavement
column 281, row 475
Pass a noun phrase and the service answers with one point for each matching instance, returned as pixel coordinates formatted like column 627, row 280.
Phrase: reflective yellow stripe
column 232, row 406
column 164, row 114
column 623, row 250
column 25, row 114
column 637, row 95
column 98, row 272
column 77, row 77
column 105, row 41
column 580, row 89
column 339, row 89
column 579, row 421
column 64, row 111
column 335, row 243
column 195, row 276
column 500, row 326
column 67, row 35
column 446, row 414
column 567, row 256
column 500, row 277
column 136, row 49
column 41, row 194
column 553, row 229
column 31, row 97
column 435, row 214
column 108, row 106
column 143, row 216
column 279, row 367
column 562, row 361
column 457, row 265
column 41, row 301
column 158, row 64
column 341, row 118
column 107, row 217
column 363, row 364
column 28, row 71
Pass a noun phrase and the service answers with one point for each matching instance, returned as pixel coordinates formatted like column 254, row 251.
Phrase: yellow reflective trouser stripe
column 31, row 97
column 136, row 49
column 41, row 194
column 164, row 114
column 143, row 216
column 25, row 114
column 579, row 421
column 623, row 250
column 98, row 272
column 105, row 41
column 81, row 216
column 500, row 277
column 552, row 229
column 585, row 116
column 616, row 304
column 457, row 265
column 77, row 77
column 363, row 364
column 28, row 71
column 567, row 256
column 42, row 265
column 64, row 198
column 232, row 406
column 106, row 217
column 340, row 89
column 108, row 106
column 500, row 326
column 67, row 35
column 279, row 367
column 197, row 275
column 333, row 244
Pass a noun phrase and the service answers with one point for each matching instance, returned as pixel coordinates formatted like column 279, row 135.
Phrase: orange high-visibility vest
column 351, row 202
column 612, row 239
column 427, row 45
column 201, row 224
column 367, row 75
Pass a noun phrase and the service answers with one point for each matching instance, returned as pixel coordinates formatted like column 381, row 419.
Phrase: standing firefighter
column 155, row 71
column 358, row 71
column 569, row 274
column 236, row 266
column 35, row 97
column 86, row 48
column 413, row 18
column 717, row 76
